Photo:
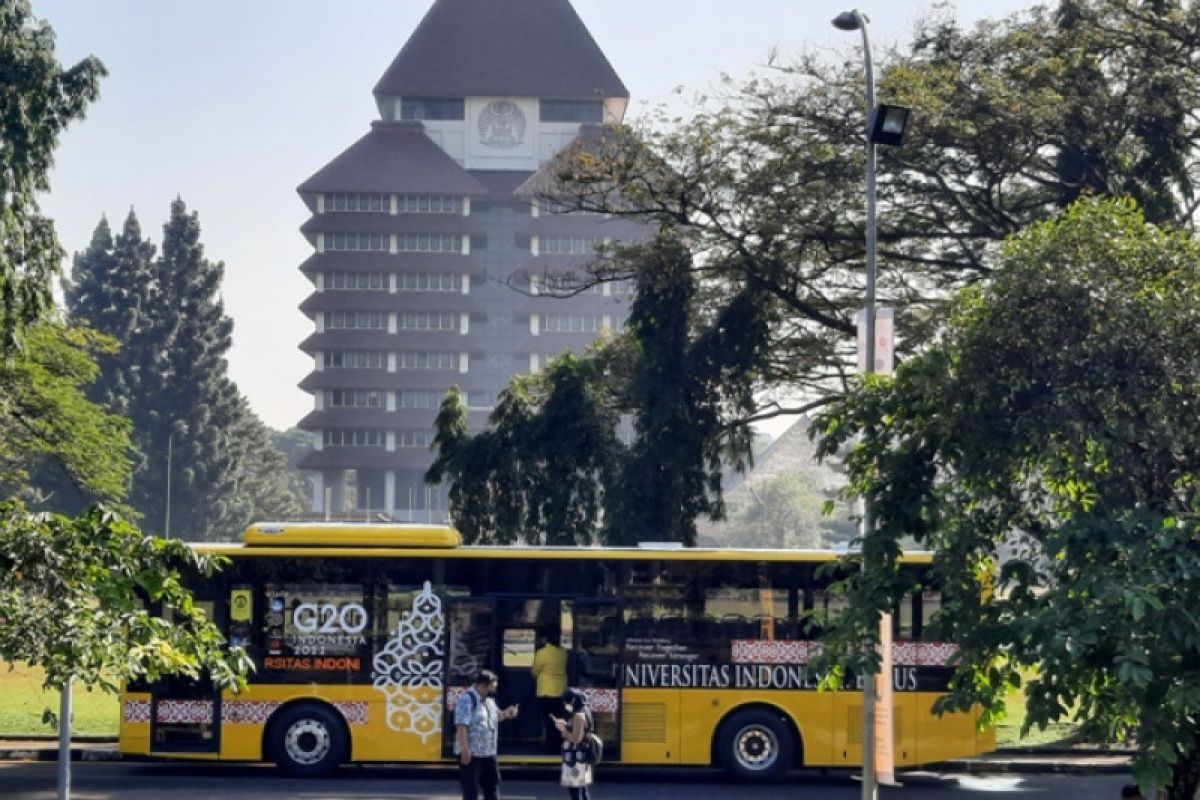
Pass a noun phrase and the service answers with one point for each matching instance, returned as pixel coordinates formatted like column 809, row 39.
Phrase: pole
column 64, row 742
column 870, row 788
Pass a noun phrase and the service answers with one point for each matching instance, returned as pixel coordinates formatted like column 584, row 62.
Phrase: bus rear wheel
column 756, row 745
column 308, row 739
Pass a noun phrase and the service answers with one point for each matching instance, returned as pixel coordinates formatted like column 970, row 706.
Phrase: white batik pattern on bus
column 408, row 670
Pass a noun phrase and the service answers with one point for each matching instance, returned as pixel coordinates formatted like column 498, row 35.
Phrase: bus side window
column 930, row 602
column 904, row 622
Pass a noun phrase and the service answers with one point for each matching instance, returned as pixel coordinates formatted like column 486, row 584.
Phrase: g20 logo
column 329, row 618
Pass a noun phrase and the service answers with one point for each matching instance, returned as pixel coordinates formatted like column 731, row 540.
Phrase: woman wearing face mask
column 576, row 772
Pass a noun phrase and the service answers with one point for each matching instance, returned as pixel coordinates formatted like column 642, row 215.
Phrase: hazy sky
column 230, row 104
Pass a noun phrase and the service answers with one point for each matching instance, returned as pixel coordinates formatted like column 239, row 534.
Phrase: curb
column 1065, row 764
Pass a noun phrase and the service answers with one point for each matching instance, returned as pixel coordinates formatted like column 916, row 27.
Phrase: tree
column 110, row 290
column 785, row 511
column 552, row 467
column 75, row 601
column 38, row 99
column 170, row 377
column 1056, row 417
column 57, row 447
column 1013, row 120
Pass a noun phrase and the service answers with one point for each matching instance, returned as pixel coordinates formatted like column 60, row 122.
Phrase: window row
column 355, row 398
column 377, row 242
column 429, row 204
column 378, row 359
column 405, row 282
column 428, row 321
column 357, row 201
column 405, row 242
column 377, row 398
column 454, row 108
column 375, row 437
column 355, row 280
column 577, row 323
column 567, row 245
column 359, row 320
column 405, row 203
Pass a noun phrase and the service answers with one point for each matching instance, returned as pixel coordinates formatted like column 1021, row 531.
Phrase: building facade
column 427, row 255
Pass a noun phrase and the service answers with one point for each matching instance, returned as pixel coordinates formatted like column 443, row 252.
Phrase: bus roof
column 375, row 540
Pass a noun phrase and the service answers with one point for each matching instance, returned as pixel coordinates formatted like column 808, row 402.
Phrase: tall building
column 427, row 256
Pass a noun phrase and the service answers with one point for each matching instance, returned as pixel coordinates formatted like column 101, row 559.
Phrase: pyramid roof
column 394, row 157
column 501, row 48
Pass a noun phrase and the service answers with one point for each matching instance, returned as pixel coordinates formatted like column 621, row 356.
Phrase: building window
column 432, row 108
column 354, row 398
column 355, row 281
column 573, row 323
column 422, row 360
column 357, row 201
column 622, row 288
column 429, row 204
column 421, row 398
column 572, row 111
column 428, row 282
column 428, row 321
column 366, row 320
column 353, row 437
column 356, row 241
column 414, row 438
column 355, row 359
column 429, row 243
column 568, row 245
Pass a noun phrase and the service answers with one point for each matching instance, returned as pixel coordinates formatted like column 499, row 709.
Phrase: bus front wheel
column 307, row 739
column 756, row 745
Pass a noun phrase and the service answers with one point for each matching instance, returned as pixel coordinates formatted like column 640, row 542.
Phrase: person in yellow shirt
column 550, row 673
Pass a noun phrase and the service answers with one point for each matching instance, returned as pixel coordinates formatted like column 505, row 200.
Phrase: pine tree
column 207, row 465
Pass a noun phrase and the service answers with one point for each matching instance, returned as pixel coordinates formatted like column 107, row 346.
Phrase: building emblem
column 502, row 125
column 408, row 670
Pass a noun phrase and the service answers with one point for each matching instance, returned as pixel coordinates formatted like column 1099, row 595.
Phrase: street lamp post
column 884, row 125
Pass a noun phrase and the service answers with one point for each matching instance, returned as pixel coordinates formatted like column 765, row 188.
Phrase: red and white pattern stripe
column 765, row 651
column 923, row 654
column 602, row 701
column 355, row 713
column 248, row 712
column 135, row 711
column 904, row 654
column 185, row 712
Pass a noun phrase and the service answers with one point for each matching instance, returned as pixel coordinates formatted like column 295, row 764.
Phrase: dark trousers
column 551, row 738
column 580, row 793
column 482, row 774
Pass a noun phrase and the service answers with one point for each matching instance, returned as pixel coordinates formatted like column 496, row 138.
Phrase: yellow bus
column 365, row 635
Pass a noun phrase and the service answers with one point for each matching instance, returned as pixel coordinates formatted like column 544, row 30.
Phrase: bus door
column 472, row 636
column 595, row 666
column 185, row 712
column 519, row 621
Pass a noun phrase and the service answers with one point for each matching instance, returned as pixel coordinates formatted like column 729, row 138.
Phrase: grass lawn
column 1008, row 732
column 22, row 702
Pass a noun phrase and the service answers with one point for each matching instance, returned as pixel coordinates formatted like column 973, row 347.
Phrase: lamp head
column 849, row 20
column 888, row 124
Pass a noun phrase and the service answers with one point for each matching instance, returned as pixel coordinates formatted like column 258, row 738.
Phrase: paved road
column 143, row 781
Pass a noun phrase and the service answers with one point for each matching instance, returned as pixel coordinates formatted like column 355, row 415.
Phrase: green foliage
column 1054, row 424
column 785, row 511
column 74, row 596
column 538, row 476
column 38, row 99
column 56, row 446
column 1012, row 120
